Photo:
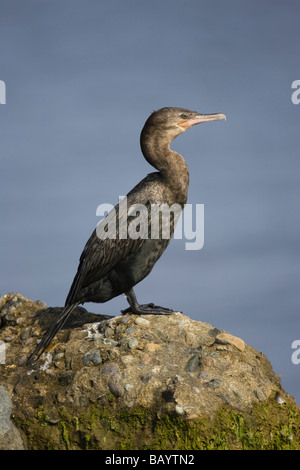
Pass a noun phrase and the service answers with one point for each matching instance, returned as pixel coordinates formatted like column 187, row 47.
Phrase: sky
column 82, row 77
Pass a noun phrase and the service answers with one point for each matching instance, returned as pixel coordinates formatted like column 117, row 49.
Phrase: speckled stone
column 92, row 357
column 10, row 438
column 193, row 363
column 227, row 338
column 129, row 343
column 142, row 321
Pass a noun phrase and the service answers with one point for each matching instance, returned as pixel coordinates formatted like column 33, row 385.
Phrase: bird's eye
column 184, row 116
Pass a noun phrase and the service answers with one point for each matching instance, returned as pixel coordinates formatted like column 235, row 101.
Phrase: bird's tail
column 48, row 337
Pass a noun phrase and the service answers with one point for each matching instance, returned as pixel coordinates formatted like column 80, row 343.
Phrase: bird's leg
column 145, row 309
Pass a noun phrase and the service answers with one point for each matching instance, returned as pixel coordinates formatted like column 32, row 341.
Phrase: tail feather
column 48, row 337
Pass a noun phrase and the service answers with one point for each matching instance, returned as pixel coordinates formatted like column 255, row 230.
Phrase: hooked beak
column 187, row 123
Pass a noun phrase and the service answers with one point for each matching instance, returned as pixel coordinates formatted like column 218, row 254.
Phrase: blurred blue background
column 81, row 79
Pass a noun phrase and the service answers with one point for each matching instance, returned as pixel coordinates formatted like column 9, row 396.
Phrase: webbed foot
column 144, row 309
column 148, row 309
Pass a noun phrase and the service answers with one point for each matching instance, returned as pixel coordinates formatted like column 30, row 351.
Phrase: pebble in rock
column 109, row 332
column 260, row 395
column 57, row 357
column 96, row 336
column 127, row 359
column 115, row 386
column 125, row 320
column 142, row 321
column 25, row 333
column 108, row 342
column 92, row 357
column 22, row 360
column 110, row 369
column 193, row 363
column 129, row 343
column 179, row 410
column 8, row 339
column 147, row 359
column 129, row 330
column 153, row 347
column 214, row 383
column 203, row 375
column 227, row 338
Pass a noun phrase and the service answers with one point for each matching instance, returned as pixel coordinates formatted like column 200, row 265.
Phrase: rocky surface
column 136, row 382
column 10, row 437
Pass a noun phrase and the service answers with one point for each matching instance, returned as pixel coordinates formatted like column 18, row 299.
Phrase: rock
column 153, row 347
column 142, row 321
column 110, row 369
column 129, row 330
column 10, row 438
column 115, row 386
column 22, row 360
column 92, row 357
column 128, row 382
column 127, row 359
column 179, row 410
column 193, row 363
column 226, row 338
column 128, row 343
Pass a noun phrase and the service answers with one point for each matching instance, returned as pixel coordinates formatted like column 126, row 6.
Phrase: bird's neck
column 171, row 165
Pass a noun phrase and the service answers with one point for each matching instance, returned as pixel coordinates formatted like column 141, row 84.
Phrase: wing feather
column 100, row 255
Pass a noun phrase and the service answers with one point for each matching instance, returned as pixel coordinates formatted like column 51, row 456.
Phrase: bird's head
column 174, row 121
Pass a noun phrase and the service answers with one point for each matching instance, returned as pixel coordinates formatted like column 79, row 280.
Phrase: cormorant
column 112, row 266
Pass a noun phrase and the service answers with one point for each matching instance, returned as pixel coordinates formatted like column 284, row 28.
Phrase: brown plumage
column 110, row 267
